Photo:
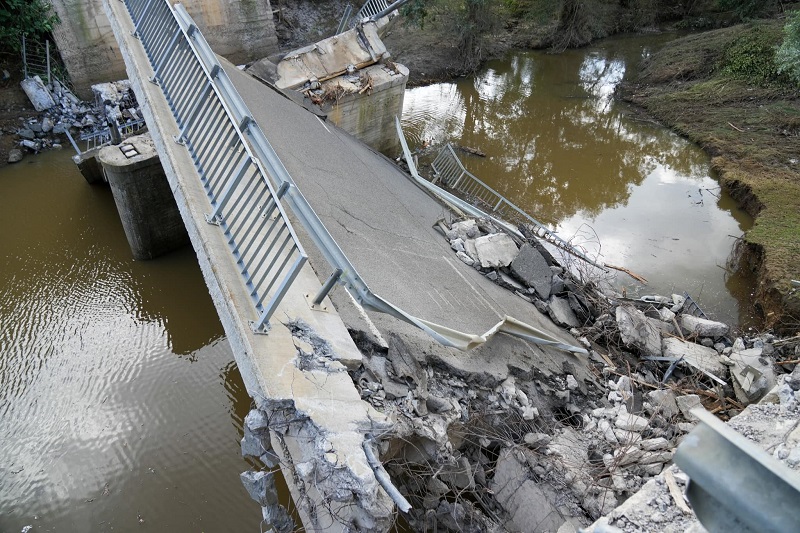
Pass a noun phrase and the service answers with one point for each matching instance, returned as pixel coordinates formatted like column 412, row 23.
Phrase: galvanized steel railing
column 371, row 8
column 213, row 124
column 451, row 172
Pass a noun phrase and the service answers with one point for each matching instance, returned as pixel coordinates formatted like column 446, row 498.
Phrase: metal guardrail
column 220, row 133
column 735, row 485
column 371, row 8
column 348, row 11
column 99, row 138
column 213, row 127
column 449, row 169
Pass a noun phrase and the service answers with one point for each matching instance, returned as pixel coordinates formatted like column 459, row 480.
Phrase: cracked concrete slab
column 383, row 222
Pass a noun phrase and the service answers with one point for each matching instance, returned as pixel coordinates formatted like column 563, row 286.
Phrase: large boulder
column 496, row 250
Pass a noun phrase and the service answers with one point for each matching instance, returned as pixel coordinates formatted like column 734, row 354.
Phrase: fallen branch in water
column 637, row 277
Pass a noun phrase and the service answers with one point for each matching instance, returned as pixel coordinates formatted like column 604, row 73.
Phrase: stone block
column 702, row 327
column 561, row 312
column 496, row 250
column 638, row 332
column 695, row 355
column 532, row 269
column 753, row 375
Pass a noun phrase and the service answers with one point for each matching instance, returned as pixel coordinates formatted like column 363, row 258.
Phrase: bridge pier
column 146, row 206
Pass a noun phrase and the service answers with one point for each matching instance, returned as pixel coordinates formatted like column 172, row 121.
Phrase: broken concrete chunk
column 532, row 269
column 631, row 422
column 260, row 486
column 702, row 327
column 753, row 375
column 496, row 250
column 466, row 229
column 666, row 315
column 664, row 401
column 525, row 501
column 650, row 445
column 459, row 475
column 637, row 331
column 256, row 420
column 688, row 402
column 467, row 260
column 277, row 517
column 37, row 93
column 561, row 312
column 695, row 355
column 457, row 245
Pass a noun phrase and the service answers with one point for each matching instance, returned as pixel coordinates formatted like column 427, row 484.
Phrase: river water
column 120, row 404
column 624, row 189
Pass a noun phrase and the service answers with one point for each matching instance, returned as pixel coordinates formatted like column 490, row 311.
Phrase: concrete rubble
column 62, row 112
column 484, row 442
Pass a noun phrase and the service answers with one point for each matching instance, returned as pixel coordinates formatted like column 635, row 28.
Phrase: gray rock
column 541, row 306
column 630, row 422
column 702, row 327
column 27, row 133
column 438, row 405
column 707, row 342
column 466, row 229
column 536, row 439
column 60, row 128
column 638, row 332
column 457, row 245
column 459, row 475
column 694, row 355
column 256, row 420
column 525, row 502
column 467, row 260
column 496, row 250
column 572, row 383
column 510, row 283
column 557, row 286
column 664, row 401
column 492, row 275
column 260, row 486
column 719, row 347
column 651, row 445
column 277, row 517
column 753, row 375
column 532, row 269
column 688, row 402
column 15, row 155
column 252, row 445
column 561, row 312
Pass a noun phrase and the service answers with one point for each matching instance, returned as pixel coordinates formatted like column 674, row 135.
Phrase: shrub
column 33, row 18
column 752, row 57
column 787, row 56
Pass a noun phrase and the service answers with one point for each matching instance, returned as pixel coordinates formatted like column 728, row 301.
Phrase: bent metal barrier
column 449, row 169
column 243, row 201
column 216, row 127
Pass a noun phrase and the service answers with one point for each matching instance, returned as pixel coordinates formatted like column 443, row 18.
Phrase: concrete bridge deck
column 383, row 221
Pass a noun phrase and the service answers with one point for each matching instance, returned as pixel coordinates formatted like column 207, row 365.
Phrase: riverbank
column 751, row 128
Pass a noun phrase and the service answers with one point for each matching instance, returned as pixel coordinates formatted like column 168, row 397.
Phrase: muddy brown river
column 620, row 187
column 120, row 404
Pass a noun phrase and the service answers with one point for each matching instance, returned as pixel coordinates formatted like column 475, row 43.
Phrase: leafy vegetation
column 787, row 55
column 33, row 18
column 751, row 56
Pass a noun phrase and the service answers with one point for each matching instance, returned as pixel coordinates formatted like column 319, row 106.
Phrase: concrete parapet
column 143, row 196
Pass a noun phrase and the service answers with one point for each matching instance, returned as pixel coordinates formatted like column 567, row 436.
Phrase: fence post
column 24, row 58
column 47, row 51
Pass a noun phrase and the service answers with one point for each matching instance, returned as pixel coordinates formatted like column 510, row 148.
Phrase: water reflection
column 560, row 146
column 120, row 404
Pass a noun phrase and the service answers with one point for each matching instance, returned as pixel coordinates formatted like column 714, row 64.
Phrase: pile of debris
column 64, row 113
column 490, row 443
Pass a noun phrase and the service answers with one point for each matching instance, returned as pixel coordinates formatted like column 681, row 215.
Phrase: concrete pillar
column 143, row 196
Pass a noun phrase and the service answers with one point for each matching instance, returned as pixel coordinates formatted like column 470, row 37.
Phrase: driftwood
column 473, row 151
column 637, row 277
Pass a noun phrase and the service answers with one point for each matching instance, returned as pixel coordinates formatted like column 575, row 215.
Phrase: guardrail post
column 262, row 324
column 326, row 287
